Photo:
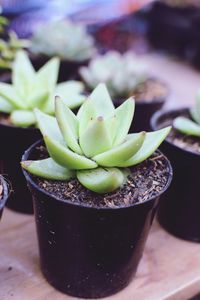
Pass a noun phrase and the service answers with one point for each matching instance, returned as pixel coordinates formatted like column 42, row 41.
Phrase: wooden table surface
column 169, row 269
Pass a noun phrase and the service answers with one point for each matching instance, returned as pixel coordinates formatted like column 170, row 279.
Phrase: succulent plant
column 65, row 39
column 121, row 72
column 93, row 145
column 10, row 46
column 187, row 126
column 31, row 89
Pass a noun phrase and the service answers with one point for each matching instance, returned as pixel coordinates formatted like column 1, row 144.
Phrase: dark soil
column 151, row 90
column 5, row 119
column 147, row 180
column 187, row 142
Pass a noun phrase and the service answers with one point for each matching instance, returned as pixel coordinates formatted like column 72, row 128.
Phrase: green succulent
column 65, row 39
column 121, row 72
column 31, row 89
column 93, row 145
column 9, row 47
column 187, row 126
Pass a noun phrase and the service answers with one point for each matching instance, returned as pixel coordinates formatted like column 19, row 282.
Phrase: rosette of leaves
column 10, row 46
column 31, row 89
column 65, row 39
column 94, row 146
column 121, row 72
column 187, row 126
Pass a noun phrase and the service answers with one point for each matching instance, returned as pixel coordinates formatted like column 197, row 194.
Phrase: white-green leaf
column 48, row 169
column 102, row 101
column 101, row 180
column 70, row 92
column 68, row 124
column 121, row 153
column 23, row 74
column 96, row 138
column 48, row 125
column 67, row 158
column 23, row 118
column 151, row 142
column 8, row 92
column 5, row 105
column 186, row 126
column 124, row 116
column 86, row 114
column 47, row 76
column 195, row 114
column 37, row 98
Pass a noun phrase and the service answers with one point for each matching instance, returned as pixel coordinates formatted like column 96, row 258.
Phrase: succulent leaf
column 23, row 118
column 86, row 114
column 187, row 126
column 121, row 153
column 47, row 76
column 195, row 114
column 68, row 129
column 48, row 169
column 101, row 180
column 23, row 74
column 96, row 138
column 5, row 106
column 8, row 92
column 67, row 158
column 124, row 116
column 151, row 142
column 102, row 101
column 37, row 98
column 48, row 125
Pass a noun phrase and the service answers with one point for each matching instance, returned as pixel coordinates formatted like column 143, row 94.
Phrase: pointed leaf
column 23, row 118
column 47, row 76
column 122, row 152
column 47, row 168
column 101, row 180
column 124, row 116
column 48, row 125
column 23, row 74
column 102, row 101
column 195, row 114
column 68, row 124
column 95, row 139
column 37, row 99
column 151, row 143
column 70, row 92
column 186, row 126
column 5, row 105
column 66, row 158
column 85, row 115
column 9, row 93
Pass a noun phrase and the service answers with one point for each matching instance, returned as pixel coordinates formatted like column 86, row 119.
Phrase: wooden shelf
column 169, row 269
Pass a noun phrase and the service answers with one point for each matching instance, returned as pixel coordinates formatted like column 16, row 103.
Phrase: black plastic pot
column 89, row 252
column 179, row 207
column 68, row 69
column 5, row 194
column 14, row 141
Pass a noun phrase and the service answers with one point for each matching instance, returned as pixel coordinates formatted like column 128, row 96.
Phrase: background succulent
column 187, row 126
column 65, row 39
column 31, row 89
column 93, row 145
column 121, row 72
column 10, row 46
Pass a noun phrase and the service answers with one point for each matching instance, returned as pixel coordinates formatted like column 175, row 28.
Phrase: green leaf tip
column 93, row 145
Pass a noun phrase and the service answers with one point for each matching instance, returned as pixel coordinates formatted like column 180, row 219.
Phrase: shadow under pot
column 68, row 69
column 179, row 208
column 149, row 96
column 4, row 193
column 90, row 244
column 14, row 141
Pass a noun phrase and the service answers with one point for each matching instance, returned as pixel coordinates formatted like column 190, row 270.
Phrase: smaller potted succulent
column 179, row 208
column 29, row 89
column 4, row 194
column 66, row 40
column 9, row 45
column 126, row 75
column 95, row 191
